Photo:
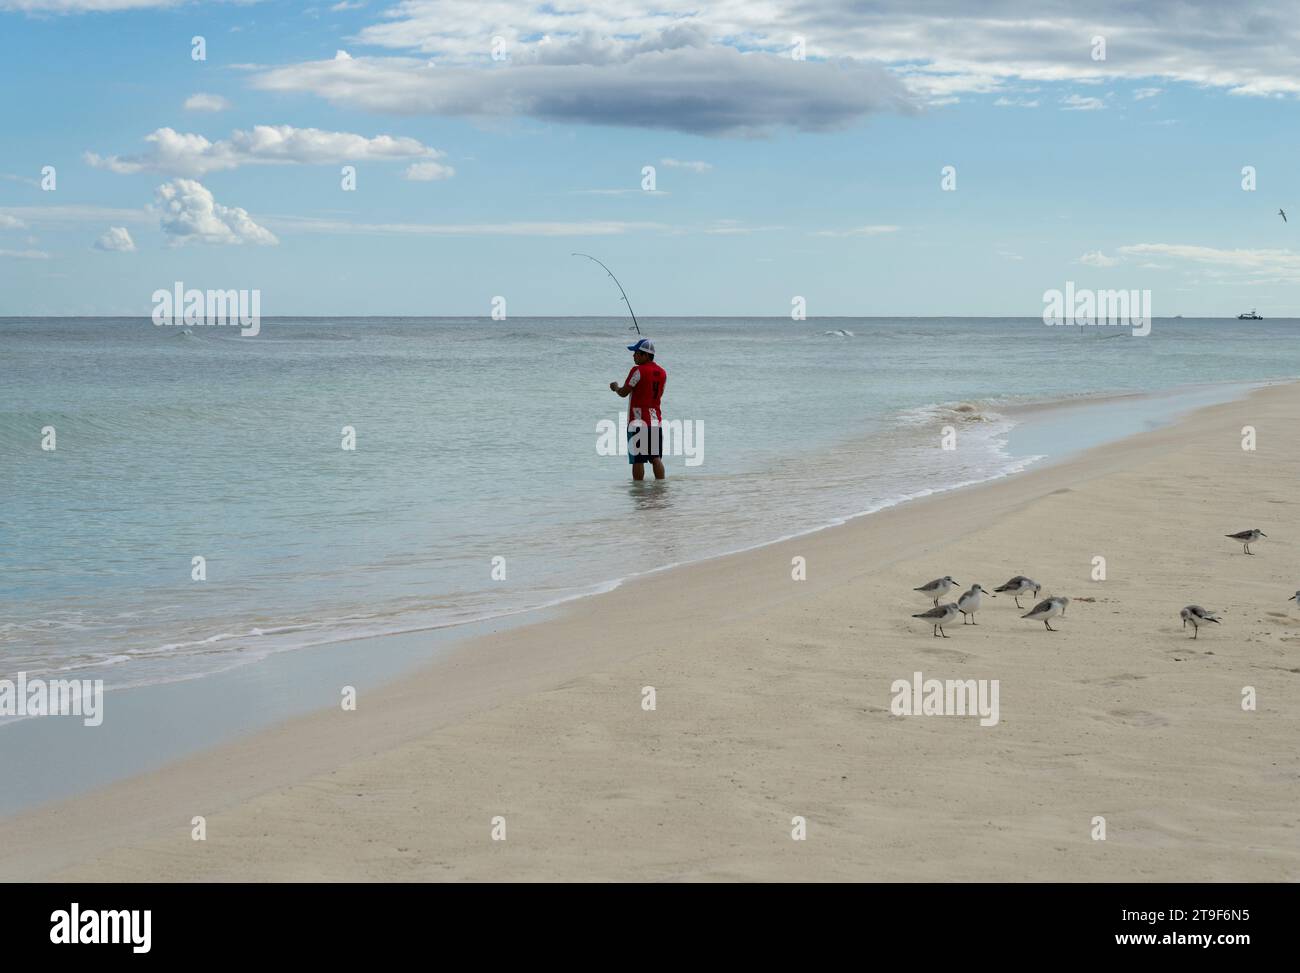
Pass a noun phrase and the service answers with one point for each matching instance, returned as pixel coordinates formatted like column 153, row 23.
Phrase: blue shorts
column 648, row 438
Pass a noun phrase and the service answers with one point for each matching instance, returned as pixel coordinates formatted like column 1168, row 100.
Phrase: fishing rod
column 620, row 288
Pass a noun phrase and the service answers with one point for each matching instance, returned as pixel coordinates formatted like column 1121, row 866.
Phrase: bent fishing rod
column 620, row 288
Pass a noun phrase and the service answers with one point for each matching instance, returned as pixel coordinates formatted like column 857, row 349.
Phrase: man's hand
column 613, row 386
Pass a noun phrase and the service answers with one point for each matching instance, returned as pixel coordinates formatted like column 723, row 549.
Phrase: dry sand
column 773, row 700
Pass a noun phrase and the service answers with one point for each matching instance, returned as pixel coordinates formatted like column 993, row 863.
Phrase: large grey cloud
column 698, row 89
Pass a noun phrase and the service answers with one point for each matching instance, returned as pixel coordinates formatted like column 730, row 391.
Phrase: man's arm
column 633, row 377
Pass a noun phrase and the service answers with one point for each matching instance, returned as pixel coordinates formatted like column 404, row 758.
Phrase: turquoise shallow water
column 476, row 440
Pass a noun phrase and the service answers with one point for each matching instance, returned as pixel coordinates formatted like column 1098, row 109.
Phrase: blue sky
column 818, row 178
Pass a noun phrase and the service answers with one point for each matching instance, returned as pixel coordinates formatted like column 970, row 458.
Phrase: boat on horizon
column 1252, row 316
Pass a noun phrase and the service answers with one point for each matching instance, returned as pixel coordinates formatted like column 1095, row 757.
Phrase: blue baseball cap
column 645, row 344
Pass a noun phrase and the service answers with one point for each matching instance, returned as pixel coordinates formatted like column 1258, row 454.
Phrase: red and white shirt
column 647, row 384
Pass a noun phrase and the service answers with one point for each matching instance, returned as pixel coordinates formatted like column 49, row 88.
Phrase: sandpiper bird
column 1020, row 585
column 1247, row 537
column 1197, row 615
column 939, row 616
column 937, row 588
column 1295, row 598
column 969, row 603
column 1046, row 610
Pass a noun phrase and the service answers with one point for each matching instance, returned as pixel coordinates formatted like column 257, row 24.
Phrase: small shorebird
column 1295, row 598
column 1247, row 537
column 969, row 603
column 1046, row 610
column 1020, row 585
column 1197, row 615
column 937, row 588
column 939, row 616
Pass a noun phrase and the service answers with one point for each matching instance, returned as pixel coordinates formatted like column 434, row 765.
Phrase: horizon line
column 672, row 317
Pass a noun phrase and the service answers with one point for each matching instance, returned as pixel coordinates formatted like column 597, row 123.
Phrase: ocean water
column 476, row 440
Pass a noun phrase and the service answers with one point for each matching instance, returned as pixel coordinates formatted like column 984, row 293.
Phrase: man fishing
column 645, row 384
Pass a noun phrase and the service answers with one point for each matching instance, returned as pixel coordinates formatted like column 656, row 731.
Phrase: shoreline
column 1020, row 415
column 291, row 683
column 501, row 668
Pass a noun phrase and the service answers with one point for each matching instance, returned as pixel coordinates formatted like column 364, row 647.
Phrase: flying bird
column 1282, row 213
column 1197, row 616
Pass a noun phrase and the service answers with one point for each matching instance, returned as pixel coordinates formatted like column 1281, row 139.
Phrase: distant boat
column 1252, row 316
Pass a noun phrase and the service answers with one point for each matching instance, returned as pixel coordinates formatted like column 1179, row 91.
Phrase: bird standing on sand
column 937, row 588
column 1247, row 537
column 969, row 603
column 1020, row 585
column 1295, row 598
column 1046, row 610
column 939, row 616
column 1197, row 616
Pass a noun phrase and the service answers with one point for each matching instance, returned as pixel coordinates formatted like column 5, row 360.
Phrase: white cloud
column 203, row 102
column 550, row 228
column 679, row 164
column 1096, row 258
column 875, row 230
column 940, row 49
column 177, row 153
column 8, row 222
column 428, row 172
column 731, row 227
column 346, row 5
column 25, row 254
column 80, row 214
column 1240, row 264
column 189, row 214
column 35, row 184
column 116, row 239
column 1082, row 103
column 1016, row 103
column 82, row 6
column 619, row 192
column 543, row 228
column 1143, row 93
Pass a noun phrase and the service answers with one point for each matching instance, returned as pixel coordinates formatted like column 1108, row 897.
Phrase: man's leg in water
column 638, row 470
column 658, row 465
